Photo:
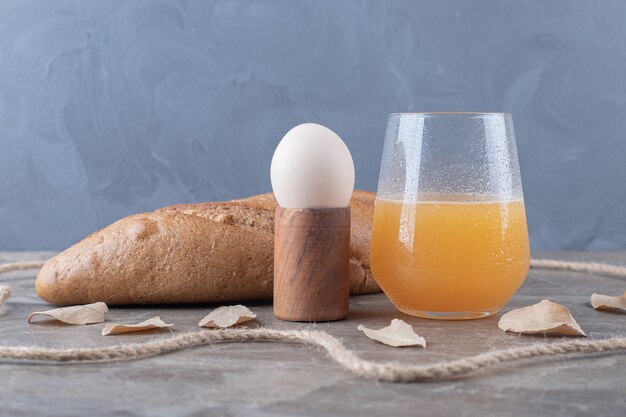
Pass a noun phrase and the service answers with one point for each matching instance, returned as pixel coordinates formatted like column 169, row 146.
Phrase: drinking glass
column 449, row 239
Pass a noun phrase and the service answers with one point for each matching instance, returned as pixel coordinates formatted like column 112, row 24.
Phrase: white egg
column 312, row 168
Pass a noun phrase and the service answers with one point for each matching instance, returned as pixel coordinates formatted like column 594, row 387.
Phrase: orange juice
column 455, row 257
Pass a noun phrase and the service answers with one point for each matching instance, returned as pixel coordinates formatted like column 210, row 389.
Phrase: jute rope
column 346, row 358
column 589, row 267
column 18, row 266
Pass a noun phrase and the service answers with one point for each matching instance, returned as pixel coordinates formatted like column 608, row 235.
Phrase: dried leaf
column 85, row 314
column 544, row 317
column 5, row 293
column 397, row 334
column 606, row 302
column 227, row 316
column 118, row 328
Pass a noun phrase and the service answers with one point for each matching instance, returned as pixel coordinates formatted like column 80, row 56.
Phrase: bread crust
column 188, row 253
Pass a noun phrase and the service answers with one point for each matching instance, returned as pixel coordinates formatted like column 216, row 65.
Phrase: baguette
column 188, row 253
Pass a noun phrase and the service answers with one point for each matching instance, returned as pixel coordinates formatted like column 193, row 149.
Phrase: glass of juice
column 449, row 239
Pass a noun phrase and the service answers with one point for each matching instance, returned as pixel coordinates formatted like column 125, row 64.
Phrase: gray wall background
column 109, row 108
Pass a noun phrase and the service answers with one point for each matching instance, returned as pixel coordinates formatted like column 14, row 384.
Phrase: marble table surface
column 274, row 379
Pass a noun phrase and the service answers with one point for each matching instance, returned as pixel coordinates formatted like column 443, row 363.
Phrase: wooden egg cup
column 311, row 264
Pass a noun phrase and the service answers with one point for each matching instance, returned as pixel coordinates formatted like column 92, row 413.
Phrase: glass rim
column 443, row 114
